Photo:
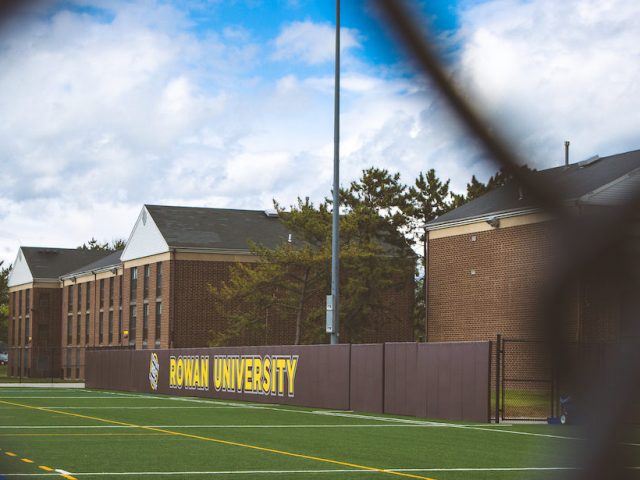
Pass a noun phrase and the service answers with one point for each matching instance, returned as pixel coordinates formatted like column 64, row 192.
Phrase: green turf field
column 76, row 433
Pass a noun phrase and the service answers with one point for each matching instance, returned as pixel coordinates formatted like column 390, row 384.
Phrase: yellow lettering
column 257, row 374
column 217, row 372
column 281, row 363
column 196, row 372
column 204, row 373
column 239, row 373
column 292, row 365
column 226, row 373
column 179, row 372
column 266, row 375
column 172, row 372
column 248, row 384
column 274, row 369
column 188, row 372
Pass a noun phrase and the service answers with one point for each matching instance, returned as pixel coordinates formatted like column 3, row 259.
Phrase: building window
column 120, row 326
column 79, row 299
column 111, row 292
column 100, row 328
column 69, row 329
column 27, row 302
column 13, row 304
column 77, row 362
column 69, row 298
column 20, row 303
column 87, row 296
column 78, row 327
column 27, row 329
column 15, row 337
column 68, row 374
column 158, row 279
column 102, row 293
column 147, row 273
column 110, row 327
column 134, row 284
column 132, row 325
column 19, row 341
column 158, row 323
column 86, row 328
column 120, row 291
column 145, row 324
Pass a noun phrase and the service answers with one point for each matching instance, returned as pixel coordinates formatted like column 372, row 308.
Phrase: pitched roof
column 109, row 260
column 576, row 182
column 216, row 228
column 52, row 263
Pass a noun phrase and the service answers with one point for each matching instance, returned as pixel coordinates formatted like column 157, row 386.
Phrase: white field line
column 313, row 425
column 452, row 425
column 57, row 386
column 291, row 472
column 280, row 472
column 64, row 407
column 487, row 428
column 127, row 397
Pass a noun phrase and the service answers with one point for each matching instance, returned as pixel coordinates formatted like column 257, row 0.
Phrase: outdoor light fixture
column 493, row 222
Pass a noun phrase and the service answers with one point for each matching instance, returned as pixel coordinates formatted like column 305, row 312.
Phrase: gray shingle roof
column 573, row 182
column 216, row 228
column 109, row 260
column 54, row 262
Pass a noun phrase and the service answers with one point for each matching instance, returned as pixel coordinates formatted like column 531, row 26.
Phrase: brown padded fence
column 434, row 380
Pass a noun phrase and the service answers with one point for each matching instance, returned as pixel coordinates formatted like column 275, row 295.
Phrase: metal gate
column 526, row 387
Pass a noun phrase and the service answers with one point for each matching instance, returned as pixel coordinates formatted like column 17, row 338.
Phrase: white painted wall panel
column 145, row 239
column 20, row 273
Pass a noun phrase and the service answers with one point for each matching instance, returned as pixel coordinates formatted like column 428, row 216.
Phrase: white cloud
column 101, row 116
column 549, row 71
column 312, row 43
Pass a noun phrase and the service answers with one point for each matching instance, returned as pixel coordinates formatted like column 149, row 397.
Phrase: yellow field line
column 80, row 434
column 224, row 442
column 42, row 467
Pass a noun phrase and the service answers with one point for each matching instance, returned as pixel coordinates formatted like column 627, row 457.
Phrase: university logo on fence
column 154, row 371
column 269, row 375
column 190, row 372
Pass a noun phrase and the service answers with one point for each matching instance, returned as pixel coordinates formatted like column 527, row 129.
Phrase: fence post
column 498, row 362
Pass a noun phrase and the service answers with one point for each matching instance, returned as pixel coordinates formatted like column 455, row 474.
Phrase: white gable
column 20, row 273
column 145, row 239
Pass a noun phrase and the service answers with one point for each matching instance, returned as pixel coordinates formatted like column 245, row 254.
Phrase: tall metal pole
column 335, row 239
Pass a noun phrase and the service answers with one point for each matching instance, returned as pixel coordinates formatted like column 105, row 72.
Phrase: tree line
column 382, row 237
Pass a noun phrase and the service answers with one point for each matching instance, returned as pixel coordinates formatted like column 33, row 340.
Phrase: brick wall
column 196, row 317
column 486, row 283
column 491, row 282
column 154, row 299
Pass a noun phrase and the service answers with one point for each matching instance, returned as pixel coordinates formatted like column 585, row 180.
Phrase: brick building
column 35, row 308
column 153, row 294
column 488, row 260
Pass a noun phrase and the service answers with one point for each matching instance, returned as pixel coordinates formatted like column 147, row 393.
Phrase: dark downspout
column 172, row 296
column 93, row 310
column 426, row 286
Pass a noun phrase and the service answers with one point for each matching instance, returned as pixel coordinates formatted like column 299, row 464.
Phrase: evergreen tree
column 289, row 283
column 282, row 286
column 430, row 197
column 93, row 244
column 4, row 302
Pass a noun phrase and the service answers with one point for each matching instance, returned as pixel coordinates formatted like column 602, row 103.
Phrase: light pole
column 333, row 303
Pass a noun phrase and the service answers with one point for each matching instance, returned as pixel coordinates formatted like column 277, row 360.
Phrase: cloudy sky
column 107, row 105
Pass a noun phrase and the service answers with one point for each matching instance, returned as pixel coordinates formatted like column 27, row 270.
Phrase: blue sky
column 110, row 104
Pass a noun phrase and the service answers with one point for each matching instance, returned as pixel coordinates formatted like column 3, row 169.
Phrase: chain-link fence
column 603, row 379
